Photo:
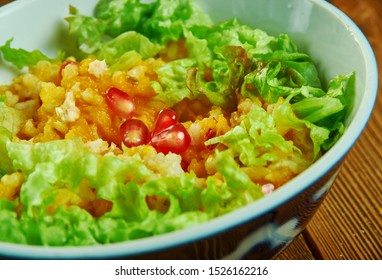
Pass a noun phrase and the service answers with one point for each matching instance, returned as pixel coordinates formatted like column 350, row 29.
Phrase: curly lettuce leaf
column 228, row 71
column 109, row 33
column 46, row 166
column 324, row 116
column 121, row 16
column 118, row 47
column 172, row 76
column 67, row 163
column 183, row 78
column 278, row 78
column 314, row 109
column 286, row 119
column 234, row 191
column 202, row 40
column 125, row 181
column 11, row 228
column 22, row 58
column 171, row 18
column 229, row 53
column 88, row 31
column 6, row 166
column 256, row 140
column 222, row 59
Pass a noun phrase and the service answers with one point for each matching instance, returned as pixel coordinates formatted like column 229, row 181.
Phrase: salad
column 159, row 120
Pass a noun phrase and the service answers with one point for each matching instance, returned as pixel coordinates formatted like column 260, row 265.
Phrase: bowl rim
column 246, row 213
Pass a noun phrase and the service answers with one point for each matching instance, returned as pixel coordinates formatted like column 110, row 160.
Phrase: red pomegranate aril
column 174, row 139
column 134, row 133
column 120, row 103
column 165, row 119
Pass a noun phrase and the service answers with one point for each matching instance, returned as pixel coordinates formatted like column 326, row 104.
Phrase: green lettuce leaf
column 11, row 229
column 228, row 71
column 71, row 226
column 172, row 76
column 121, row 16
column 88, row 31
column 113, row 50
column 324, row 116
column 255, row 140
column 234, row 191
column 49, row 166
column 46, row 167
column 124, row 181
column 314, row 109
column 285, row 119
column 171, row 18
column 279, row 78
column 6, row 166
column 123, row 25
column 22, row 58
column 126, row 61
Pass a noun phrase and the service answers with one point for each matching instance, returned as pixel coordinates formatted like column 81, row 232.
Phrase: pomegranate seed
column 134, row 133
column 174, row 139
column 120, row 103
column 165, row 119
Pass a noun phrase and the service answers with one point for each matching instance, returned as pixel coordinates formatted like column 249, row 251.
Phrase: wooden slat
column 298, row 250
column 3, row 2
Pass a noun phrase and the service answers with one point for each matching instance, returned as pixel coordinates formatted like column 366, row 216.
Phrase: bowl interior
column 334, row 42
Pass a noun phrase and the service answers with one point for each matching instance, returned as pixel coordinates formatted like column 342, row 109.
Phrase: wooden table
column 349, row 223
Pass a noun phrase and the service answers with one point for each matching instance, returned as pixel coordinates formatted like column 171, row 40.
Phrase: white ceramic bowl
column 267, row 226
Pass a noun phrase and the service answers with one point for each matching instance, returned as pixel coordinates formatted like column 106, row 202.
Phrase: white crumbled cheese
column 68, row 112
column 97, row 67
